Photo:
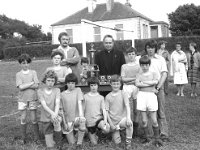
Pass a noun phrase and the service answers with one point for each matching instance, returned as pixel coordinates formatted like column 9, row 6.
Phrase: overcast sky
column 47, row 12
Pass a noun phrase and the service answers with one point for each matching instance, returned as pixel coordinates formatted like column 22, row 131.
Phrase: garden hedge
column 39, row 50
column 171, row 41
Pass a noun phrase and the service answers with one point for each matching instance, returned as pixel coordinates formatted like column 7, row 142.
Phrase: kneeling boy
column 95, row 113
column 118, row 111
column 72, row 107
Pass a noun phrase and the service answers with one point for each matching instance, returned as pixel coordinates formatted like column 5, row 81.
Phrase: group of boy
column 66, row 110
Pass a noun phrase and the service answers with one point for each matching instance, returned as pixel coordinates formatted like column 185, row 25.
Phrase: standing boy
column 165, row 54
column 72, row 107
column 147, row 99
column 61, row 71
column 128, row 74
column 95, row 112
column 118, row 111
column 27, row 83
column 49, row 97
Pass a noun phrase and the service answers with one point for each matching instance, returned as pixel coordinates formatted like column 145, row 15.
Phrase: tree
column 28, row 33
column 185, row 20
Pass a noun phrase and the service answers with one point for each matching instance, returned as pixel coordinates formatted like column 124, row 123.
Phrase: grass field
column 183, row 115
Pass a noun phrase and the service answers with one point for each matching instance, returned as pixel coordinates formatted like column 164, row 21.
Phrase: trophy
column 93, row 69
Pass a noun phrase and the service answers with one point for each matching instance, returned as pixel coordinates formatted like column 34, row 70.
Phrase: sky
column 47, row 12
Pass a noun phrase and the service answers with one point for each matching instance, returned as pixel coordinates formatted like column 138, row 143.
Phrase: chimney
column 91, row 5
column 109, row 5
column 128, row 3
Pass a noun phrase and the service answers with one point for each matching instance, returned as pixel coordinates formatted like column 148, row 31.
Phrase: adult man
column 163, row 52
column 159, row 66
column 71, row 54
column 109, row 59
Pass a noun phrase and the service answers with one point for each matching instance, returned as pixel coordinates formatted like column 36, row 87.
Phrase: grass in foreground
column 182, row 114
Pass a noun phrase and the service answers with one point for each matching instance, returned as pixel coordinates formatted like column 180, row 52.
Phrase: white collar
column 91, row 94
column 25, row 72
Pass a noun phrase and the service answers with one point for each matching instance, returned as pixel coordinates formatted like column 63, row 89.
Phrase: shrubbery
column 171, row 41
column 45, row 50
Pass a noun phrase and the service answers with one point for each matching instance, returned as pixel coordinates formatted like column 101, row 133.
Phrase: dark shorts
column 47, row 128
column 93, row 129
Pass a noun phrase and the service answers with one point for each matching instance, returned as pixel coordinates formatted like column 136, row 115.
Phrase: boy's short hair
column 194, row 45
column 84, row 60
column 116, row 78
column 131, row 49
column 144, row 60
column 71, row 77
column 178, row 43
column 54, row 53
column 50, row 74
column 24, row 57
column 151, row 44
column 161, row 43
column 93, row 80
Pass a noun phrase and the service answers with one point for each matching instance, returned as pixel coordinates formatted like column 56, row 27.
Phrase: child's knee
column 23, row 120
column 49, row 140
column 104, row 127
column 116, row 137
column 154, row 123
column 70, row 138
column 80, row 124
column 144, row 123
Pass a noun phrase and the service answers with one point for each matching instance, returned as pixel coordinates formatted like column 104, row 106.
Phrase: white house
column 110, row 17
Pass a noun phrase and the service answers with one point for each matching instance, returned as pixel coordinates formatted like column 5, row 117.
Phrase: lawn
column 183, row 115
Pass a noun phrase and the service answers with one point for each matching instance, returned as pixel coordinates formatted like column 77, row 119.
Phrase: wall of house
column 87, row 31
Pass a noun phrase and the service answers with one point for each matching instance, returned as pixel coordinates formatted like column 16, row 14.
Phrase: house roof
column 119, row 11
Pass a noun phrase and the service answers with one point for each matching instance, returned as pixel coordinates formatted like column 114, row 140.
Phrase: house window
column 70, row 33
column 119, row 34
column 145, row 31
column 154, row 31
column 97, row 34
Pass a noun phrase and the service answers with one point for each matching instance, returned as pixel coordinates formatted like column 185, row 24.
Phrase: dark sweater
column 109, row 62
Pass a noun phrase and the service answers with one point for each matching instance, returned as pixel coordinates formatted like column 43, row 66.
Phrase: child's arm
column 104, row 111
column 123, row 75
column 36, row 81
column 57, row 103
column 46, row 108
column 128, row 113
column 125, row 79
column 80, row 104
column 26, row 85
column 112, row 126
column 151, row 83
column 34, row 86
column 139, row 83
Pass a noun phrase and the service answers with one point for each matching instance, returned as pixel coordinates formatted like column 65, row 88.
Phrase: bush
column 45, row 50
column 171, row 41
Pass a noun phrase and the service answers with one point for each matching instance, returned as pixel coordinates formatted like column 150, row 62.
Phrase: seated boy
column 49, row 97
column 61, row 71
column 84, row 69
column 147, row 99
column 118, row 111
column 72, row 107
column 95, row 113
column 128, row 74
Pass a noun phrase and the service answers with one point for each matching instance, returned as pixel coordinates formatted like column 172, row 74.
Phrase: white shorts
column 31, row 105
column 131, row 90
column 147, row 101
